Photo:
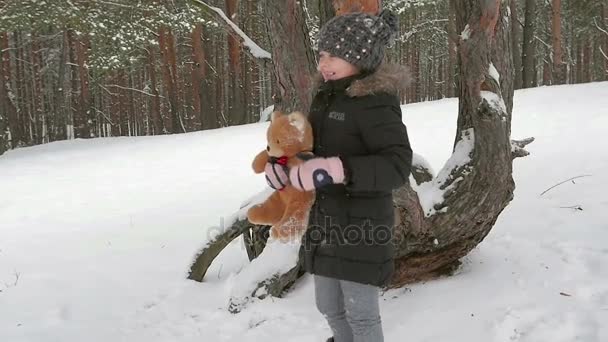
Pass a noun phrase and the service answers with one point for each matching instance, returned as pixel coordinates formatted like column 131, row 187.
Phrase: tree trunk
column 8, row 109
column 4, row 97
column 58, row 121
column 157, row 120
column 349, row 6
column 452, row 36
column 515, row 34
column 85, row 97
column 167, row 50
column 529, row 48
column 605, row 54
column 556, row 30
column 198, row 72
column 431, row 240
column 293, row 66
column 587, row 52
column 237, row 110
column 326, row 11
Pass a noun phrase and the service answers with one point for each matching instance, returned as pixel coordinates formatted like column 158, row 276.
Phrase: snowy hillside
column 96, row 237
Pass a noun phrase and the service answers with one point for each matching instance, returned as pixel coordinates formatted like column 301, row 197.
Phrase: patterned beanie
column 359, row 38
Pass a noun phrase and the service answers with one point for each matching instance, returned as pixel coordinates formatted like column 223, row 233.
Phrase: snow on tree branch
column 255, row 49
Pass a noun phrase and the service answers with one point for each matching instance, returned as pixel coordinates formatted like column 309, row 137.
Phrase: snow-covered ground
column 96, row 238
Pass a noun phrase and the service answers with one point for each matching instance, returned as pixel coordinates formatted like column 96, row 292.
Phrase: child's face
column 334, row 68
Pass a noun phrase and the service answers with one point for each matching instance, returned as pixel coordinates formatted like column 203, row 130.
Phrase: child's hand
column 316, row 173
column 277, row 175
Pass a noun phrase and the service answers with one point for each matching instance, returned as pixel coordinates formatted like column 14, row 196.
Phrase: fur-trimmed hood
column 389, row 78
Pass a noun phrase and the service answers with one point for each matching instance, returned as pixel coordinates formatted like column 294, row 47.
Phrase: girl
column 362, row 153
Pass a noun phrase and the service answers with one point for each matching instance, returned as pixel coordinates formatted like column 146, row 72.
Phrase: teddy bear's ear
column 275, row 115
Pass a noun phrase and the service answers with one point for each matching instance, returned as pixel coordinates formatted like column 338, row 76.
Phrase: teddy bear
column 290, row 140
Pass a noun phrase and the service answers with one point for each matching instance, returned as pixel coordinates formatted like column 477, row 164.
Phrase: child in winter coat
column 362, row 153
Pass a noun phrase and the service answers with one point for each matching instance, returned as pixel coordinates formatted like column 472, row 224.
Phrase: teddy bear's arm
column 259, row 162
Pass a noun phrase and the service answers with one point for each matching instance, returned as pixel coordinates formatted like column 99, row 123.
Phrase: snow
column 495, row 101
column 265, row 115
column 466, row 33
column 433, row 192
column 97, row 236
column 494, row 73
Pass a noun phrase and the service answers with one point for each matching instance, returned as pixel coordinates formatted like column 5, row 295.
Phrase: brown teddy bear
column 290, row 142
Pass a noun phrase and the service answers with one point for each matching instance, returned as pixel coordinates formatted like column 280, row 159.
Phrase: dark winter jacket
column 350, row 226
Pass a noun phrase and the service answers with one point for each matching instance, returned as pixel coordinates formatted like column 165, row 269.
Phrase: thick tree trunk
column 293, row 66
column 529, row 71
column 431, row 240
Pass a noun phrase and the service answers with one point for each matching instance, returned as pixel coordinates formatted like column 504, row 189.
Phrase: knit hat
column 359, row 38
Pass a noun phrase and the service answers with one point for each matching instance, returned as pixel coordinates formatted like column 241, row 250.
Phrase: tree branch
column 560, row 183
column 603, row 53
column 104, row 115
column 132, row 89
column 599, row 28
column 254, row 49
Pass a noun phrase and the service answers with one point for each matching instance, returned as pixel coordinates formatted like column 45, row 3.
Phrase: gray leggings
column 351, row 309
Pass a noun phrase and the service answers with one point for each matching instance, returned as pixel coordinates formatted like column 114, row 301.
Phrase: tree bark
column 587, row 52
column 237, row 109
column 8, row 109
column 198, row 72
column 293, row 66
column 157, row 120
column 78, row 119
column 431, row 242
column 86, row 131
column 451, row 79
column 167, row 50
column 556, row 30
column 605, row 54
column 326, row 11
column 529, row 72
column 515, row 34
column 348, row 6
